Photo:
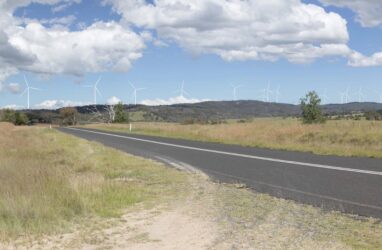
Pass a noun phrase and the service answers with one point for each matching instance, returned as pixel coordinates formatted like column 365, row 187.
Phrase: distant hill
column 223, row 110
column 351, row 107
column 212, row 110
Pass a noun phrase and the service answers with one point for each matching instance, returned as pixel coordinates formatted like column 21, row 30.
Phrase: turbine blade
column 99, row 93
column 23, row 93
column 35, row 88
column 132, row 85
column 99, row 79
column 26, row 81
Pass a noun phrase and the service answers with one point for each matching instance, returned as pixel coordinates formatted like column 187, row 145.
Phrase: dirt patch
column 218, row 216
column 183, row 224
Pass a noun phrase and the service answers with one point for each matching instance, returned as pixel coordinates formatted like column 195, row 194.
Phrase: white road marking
column 325, row 197
column 313, row 165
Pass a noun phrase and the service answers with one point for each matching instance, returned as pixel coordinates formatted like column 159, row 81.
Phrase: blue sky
column 166, row 61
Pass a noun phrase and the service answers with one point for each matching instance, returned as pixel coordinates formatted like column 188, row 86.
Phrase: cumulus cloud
column 63, row 21
column 56, row 104
column 113, row 100
column 356, row 59
column 172, row 100
column 29, row 45
column 242, row 30
column 14, row 88
column 368, row 11
column 63, row 6
column 232, row 29
column 101, row 46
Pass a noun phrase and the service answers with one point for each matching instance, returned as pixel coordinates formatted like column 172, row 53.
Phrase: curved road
column 352, row 185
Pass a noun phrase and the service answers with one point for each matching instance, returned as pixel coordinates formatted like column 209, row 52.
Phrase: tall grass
column 49, row 180
column 342, row 137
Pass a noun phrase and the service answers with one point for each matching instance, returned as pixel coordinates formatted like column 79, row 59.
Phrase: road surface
column 352, row 185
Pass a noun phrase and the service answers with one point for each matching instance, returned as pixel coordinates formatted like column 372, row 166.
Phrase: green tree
column 15, row 117
column 8, row 115
column 121, row 116
column 21, row 119
column 311, row 111
column 68, row 116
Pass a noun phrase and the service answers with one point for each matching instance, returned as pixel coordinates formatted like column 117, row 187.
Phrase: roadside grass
column 342, row 137
column 271, row 223
column 50, row 180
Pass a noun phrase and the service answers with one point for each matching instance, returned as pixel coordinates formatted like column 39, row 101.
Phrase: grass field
column 340, row 137
column 49, row 179
column 51, row 182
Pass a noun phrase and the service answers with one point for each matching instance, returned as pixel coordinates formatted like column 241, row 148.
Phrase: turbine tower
column 267, row 93
column 345, row 96
column 181, row 91
column 27, row 90
column 234, row 91
column 277, row 94
column 325, row 97
column 360, row 95
column 95, row 90
column 135, row 91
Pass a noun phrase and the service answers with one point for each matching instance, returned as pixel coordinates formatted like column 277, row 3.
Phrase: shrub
column 121, row 116
column 20, row 119
column 15, row 117
column 68, row 116
column 311, row 111
column 8, row 115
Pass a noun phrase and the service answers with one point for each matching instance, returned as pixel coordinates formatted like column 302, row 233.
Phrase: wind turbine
column 95, row 90
column 325, row 97
column 360, row 94
column 27, row 90
column 345, row 96
column 380, row 97
column 277, row 94
column 266, row 93
column 135, row 91
column 181, row 91
column 234, row 91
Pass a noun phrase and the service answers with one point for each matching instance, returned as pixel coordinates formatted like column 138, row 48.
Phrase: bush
column 373, row 116
column 68, row 116
column 188, row 122
column 21, row 119
column 311, row 111
column 8, row 115
column 15, row 117
column 121, row 116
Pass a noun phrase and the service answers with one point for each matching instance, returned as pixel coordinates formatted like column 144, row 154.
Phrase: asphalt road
column 352, row 185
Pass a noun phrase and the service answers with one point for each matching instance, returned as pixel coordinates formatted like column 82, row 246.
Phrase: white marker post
column 130, row 127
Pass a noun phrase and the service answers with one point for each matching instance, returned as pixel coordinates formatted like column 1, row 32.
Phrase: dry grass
column 270, row 223
column 49, row 179
column 51, row 182
column 343, row 137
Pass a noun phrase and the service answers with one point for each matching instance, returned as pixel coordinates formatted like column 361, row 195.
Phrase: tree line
column 67, row 116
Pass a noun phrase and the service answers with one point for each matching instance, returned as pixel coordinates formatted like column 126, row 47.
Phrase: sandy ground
column 212, row 216
column 193, row 223
column 184, row 224
column 147, row 229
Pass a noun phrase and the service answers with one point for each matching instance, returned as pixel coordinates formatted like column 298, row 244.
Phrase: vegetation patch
column 336, row 137
column 50, row 180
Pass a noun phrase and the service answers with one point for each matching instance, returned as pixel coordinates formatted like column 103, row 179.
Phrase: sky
column 275, row 50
